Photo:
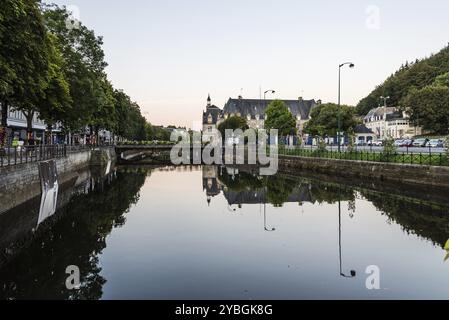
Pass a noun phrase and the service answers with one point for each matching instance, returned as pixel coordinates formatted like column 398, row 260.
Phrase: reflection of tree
column 423, row 219
column 279, row 188
column 327, row 193
column 242, row 181
column 77, row 239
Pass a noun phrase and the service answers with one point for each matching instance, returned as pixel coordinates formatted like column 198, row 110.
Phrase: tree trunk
column 4, row 123
column 50, row 133
column 29, row 116
column 97, row 136
column 91, row 131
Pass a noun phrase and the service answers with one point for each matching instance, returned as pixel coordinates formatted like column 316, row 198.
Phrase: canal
column 225, row 233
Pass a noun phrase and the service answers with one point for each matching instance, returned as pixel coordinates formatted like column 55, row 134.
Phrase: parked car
column 398, row 143
column 376, row 143
column 421, row 142
column 436, row 143
column 407, row 143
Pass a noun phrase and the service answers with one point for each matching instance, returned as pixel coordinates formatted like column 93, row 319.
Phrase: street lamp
column 384, row 99
column 265, row 98
column 351, row 65
column 265, row 94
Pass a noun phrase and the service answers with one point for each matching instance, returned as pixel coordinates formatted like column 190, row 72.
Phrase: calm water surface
column 221, row 233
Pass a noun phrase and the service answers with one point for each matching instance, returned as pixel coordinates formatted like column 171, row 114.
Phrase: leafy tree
column 56, row 100
column 149, row 130
column 351, row 139
column 24, row 57
column 279, row 117
column 104, row 115
column 416, row 75
column 442, row 80
column 389, row 147
column 160, row 134
column 429, row 108
column 233, row 123
column 12, row 42
column 324, row 120
column 84, row 68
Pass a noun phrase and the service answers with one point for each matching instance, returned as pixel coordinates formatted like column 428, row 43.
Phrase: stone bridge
column 143, row 154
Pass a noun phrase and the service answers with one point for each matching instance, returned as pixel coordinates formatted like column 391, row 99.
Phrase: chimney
column 319, row 102
column 240, row 97
column 300, row 99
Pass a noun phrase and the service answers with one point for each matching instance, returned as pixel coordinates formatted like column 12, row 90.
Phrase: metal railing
column 414, row 158
column 10, row 156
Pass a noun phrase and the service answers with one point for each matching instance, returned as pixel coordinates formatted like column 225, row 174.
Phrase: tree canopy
column 233, row 123
column 416, row 75
column 58, row 72
column 279, row 117
column 324, row 120
column 429, row 108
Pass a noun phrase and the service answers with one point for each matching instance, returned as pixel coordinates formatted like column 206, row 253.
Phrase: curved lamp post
column 384, row 99
column 351, row 65
column 265, row 94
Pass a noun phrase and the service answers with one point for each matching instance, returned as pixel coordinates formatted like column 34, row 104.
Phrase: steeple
column 209, row 101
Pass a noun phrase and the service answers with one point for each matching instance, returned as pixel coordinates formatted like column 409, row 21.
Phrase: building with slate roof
column 253, row 110
column 212, row 117
column 364, row 135
column 390, row 122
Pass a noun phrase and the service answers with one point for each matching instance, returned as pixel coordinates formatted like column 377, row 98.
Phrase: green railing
column 422, row 158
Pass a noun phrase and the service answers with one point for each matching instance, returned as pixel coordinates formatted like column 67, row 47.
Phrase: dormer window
column 209, row 119
column 257, row 117
column 248, row 117
column 298, row 117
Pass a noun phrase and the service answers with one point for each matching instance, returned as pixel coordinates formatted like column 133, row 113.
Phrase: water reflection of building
column 211, row 184
column 214, row 183
column 299, row 194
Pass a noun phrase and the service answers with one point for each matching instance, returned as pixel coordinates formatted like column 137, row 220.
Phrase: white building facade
column 387, row 122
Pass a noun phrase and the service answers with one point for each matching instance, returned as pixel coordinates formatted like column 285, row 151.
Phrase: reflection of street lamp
column 351, row 65
column 265, row 212
column 352, row 273
column 265, row 219
column 231, row 209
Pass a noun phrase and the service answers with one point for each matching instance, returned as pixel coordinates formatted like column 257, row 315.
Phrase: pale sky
column 169, row 54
